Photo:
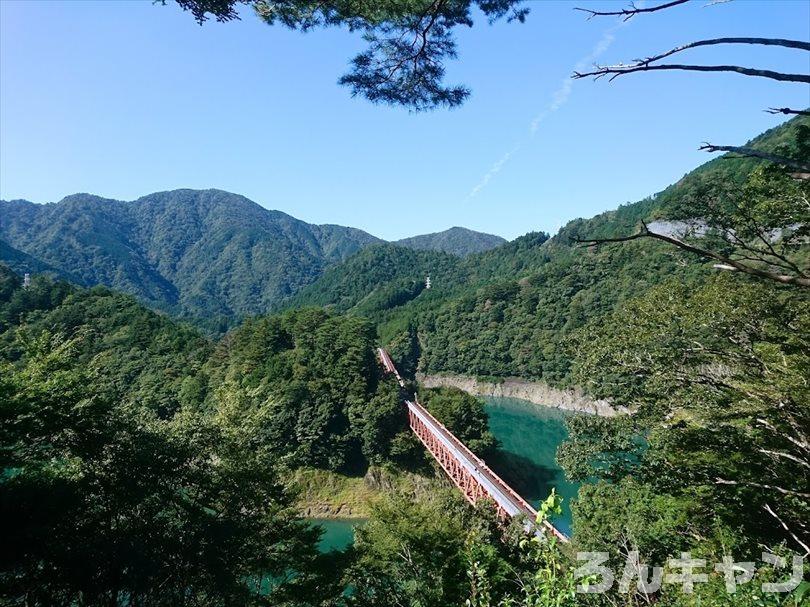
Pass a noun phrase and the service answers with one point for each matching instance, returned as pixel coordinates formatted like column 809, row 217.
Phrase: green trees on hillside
column 717, row 381
column 115, row 489
column 758, row 227
column 208, row 256
column 463, row 415
column 143, row 465
column 310, row 385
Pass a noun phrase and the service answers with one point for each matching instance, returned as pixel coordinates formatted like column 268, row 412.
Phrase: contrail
column 561, row 95
column 494, row 170
column 558, row 99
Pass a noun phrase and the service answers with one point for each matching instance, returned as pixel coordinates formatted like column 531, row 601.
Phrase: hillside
column 207, row 255
column 456, row 241
column 509, row 311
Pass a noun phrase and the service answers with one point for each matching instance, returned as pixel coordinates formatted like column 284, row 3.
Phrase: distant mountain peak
column 195, row 253
column 457, row 241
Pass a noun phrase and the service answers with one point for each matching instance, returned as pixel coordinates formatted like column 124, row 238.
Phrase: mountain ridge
column 211, row 256
column 456, row 240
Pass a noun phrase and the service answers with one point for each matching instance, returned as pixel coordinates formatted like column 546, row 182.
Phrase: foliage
column 435, row 551
column 310, row 387
column 110, row 498
column 716, row 379
column 206, row 255
column 547, row 577
column 408, row 40
column 462, row 414
column 758, row 228
column 378, row 278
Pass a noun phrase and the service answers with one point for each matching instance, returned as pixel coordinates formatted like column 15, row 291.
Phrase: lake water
column 338, row 533
column 529, row 437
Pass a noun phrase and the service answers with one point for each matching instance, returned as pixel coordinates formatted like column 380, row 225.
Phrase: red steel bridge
column 467, row 471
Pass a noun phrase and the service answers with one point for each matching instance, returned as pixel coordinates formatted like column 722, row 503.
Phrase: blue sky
column 125, row 98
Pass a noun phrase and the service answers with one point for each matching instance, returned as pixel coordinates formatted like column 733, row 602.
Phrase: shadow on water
column 529, row 435
column 525, row 476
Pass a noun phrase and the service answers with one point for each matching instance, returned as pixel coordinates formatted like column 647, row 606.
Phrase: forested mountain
column 378, row 278
column 144, row 460
column 510, row 310
column 207, row 255
column 456, row 241
column 196, row 254
column 140, row 457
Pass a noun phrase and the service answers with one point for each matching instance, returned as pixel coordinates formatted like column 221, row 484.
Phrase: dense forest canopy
column 206, row 256
column 510, row 311
column 153, row 444
column 118, row 419
column 144, row 464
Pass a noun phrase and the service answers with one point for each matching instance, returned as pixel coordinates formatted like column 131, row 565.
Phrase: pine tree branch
column 629, row 13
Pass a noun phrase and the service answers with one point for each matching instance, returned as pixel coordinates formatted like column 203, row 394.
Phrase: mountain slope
column 456, row 241
column 510, row 310
column 198, row 254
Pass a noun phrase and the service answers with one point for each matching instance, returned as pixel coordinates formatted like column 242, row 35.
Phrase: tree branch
column 782, row 490
column 770, row 511
column 787, row 111
column 789, row 456
column 629, row 13
column 795, row 44
column 752, row 153
column 727, row 262
column 618, row 70
column 641, row 65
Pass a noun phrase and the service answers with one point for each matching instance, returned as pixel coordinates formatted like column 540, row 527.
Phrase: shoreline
column 535, row 392
column 335, row 496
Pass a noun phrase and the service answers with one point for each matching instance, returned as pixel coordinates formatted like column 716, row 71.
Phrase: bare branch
column 619, row 70
column 787, row 43
column 629, row 13
column 770, row 511
column 648, row 64
column 787, row 111
column 782, row 490
column 792, row 458
column 752, row 153
column 725, row 262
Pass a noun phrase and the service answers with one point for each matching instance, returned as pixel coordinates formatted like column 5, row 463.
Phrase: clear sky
column 125, row 98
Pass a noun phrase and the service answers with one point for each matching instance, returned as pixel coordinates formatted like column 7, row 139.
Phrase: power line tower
column 26, row 280
column 427, row 282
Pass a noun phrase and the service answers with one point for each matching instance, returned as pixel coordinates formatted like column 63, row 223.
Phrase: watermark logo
column 685, row 571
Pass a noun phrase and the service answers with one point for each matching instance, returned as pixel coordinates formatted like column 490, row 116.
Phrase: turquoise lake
column 529, row 437
column 338, row 534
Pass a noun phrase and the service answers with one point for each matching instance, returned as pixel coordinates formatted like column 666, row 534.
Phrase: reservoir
column 529, row 435
column 338, row 533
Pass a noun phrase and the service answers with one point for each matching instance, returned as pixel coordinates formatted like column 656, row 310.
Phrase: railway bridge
column 467, row 471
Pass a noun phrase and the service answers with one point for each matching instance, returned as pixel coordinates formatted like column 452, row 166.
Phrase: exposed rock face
column 515, row 387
